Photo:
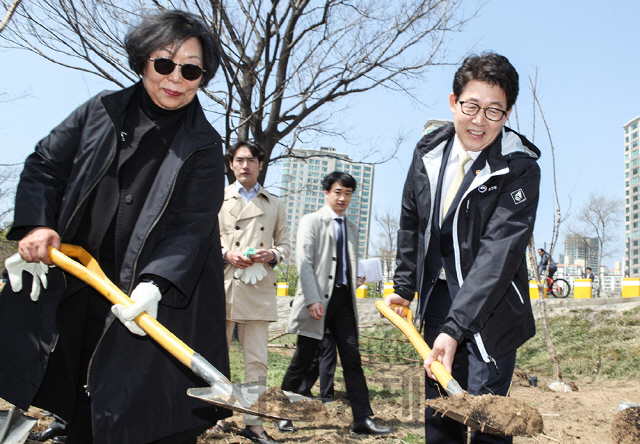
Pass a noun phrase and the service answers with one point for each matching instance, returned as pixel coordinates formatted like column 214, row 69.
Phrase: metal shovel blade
column 243, row 397
column 14, row 426
column 444, row 377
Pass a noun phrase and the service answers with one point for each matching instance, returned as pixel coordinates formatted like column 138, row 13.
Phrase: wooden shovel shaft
column 406, row 326
column 221, row 392
column 92, row 274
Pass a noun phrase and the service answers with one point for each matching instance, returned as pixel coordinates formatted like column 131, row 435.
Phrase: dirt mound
column 498, row 415
column 625, row 428
column 274, row 402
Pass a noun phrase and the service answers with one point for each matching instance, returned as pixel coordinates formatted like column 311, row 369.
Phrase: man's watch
column 274, row 262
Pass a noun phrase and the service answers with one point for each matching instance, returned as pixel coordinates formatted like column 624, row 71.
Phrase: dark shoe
column 286, row 426
column 368, row 426
column 56, row 428
column 59, row 440
column 262, row 438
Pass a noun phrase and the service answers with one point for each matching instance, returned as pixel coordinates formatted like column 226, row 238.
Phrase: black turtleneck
column 147, row 133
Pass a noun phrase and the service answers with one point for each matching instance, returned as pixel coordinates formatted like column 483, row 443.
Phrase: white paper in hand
column 371, row 268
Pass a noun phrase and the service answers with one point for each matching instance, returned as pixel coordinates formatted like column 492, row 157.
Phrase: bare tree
column 8, row 183
column 285, row 63
column 11, row 9
column 385, row 245
column 598, row 218
column 559, row 219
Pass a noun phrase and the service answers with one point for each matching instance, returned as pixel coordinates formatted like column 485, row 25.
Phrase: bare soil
column 274, row 402
column 498, row 415
column 626, row 426
column 585, row 416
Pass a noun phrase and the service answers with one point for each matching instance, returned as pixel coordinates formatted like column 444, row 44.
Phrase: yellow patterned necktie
column 463, row 158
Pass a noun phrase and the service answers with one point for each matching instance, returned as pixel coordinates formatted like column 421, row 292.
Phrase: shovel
column 14, row 426
column 442, row 375
column 238, row 397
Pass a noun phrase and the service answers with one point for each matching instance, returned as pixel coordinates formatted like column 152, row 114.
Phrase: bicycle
column 558, row 288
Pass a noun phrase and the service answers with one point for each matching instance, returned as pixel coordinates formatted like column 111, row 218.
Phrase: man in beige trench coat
column 251, row 217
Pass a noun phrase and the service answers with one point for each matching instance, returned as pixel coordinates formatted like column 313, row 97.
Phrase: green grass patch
column 588, row 343
column 379, row 346
column 413, row 439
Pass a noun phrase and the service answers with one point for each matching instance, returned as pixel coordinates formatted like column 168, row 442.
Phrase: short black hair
column 168, row 29
column 589, row 268
column 256, row 150
column 344, row 179
column 491, row 68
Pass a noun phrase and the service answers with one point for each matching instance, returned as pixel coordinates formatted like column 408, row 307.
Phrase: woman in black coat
column 135, row 177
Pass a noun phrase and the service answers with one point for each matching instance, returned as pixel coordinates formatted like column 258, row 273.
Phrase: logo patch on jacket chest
column 518, row 196
column 484, row 189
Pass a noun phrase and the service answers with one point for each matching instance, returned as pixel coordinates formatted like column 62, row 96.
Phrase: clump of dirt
column 497, row 415
column 274, row 402
column 625, row 428
column 520, row 378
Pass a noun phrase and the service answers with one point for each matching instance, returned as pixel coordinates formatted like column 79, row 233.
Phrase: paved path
column 368, row 314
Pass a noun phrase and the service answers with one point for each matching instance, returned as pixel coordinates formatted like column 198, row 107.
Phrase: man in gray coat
column 326, row 259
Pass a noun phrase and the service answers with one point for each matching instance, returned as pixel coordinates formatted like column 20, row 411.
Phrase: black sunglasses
column 166, row 66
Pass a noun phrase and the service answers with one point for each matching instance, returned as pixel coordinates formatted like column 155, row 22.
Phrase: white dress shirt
column 247, row 195
column 452, row 166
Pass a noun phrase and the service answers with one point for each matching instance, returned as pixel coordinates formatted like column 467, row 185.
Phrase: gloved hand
column 145, row 297
column 254, row 274
column 15, row 265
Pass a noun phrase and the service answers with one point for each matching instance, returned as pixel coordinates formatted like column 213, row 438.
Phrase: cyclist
column 546, row 260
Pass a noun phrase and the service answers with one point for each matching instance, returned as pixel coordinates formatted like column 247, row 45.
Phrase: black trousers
column 341, row 323
column 324, row 367
column 472, row 373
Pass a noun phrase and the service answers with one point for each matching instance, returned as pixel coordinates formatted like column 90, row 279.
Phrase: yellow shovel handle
column 406, row 326
column 92, row 274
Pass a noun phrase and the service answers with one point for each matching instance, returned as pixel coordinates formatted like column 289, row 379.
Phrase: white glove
column 145, row 297
column 15, row 265
column 239, row 273
column 254, row 274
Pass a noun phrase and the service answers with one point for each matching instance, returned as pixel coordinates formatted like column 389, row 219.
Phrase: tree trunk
column 553, row 356
column 542, row 307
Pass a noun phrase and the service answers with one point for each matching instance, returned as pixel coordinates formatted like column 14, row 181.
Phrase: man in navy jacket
column 468, row 210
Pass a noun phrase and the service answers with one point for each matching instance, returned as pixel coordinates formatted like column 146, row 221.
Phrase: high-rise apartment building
column 632, row 196
column 302, row 175
column 581, row 250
